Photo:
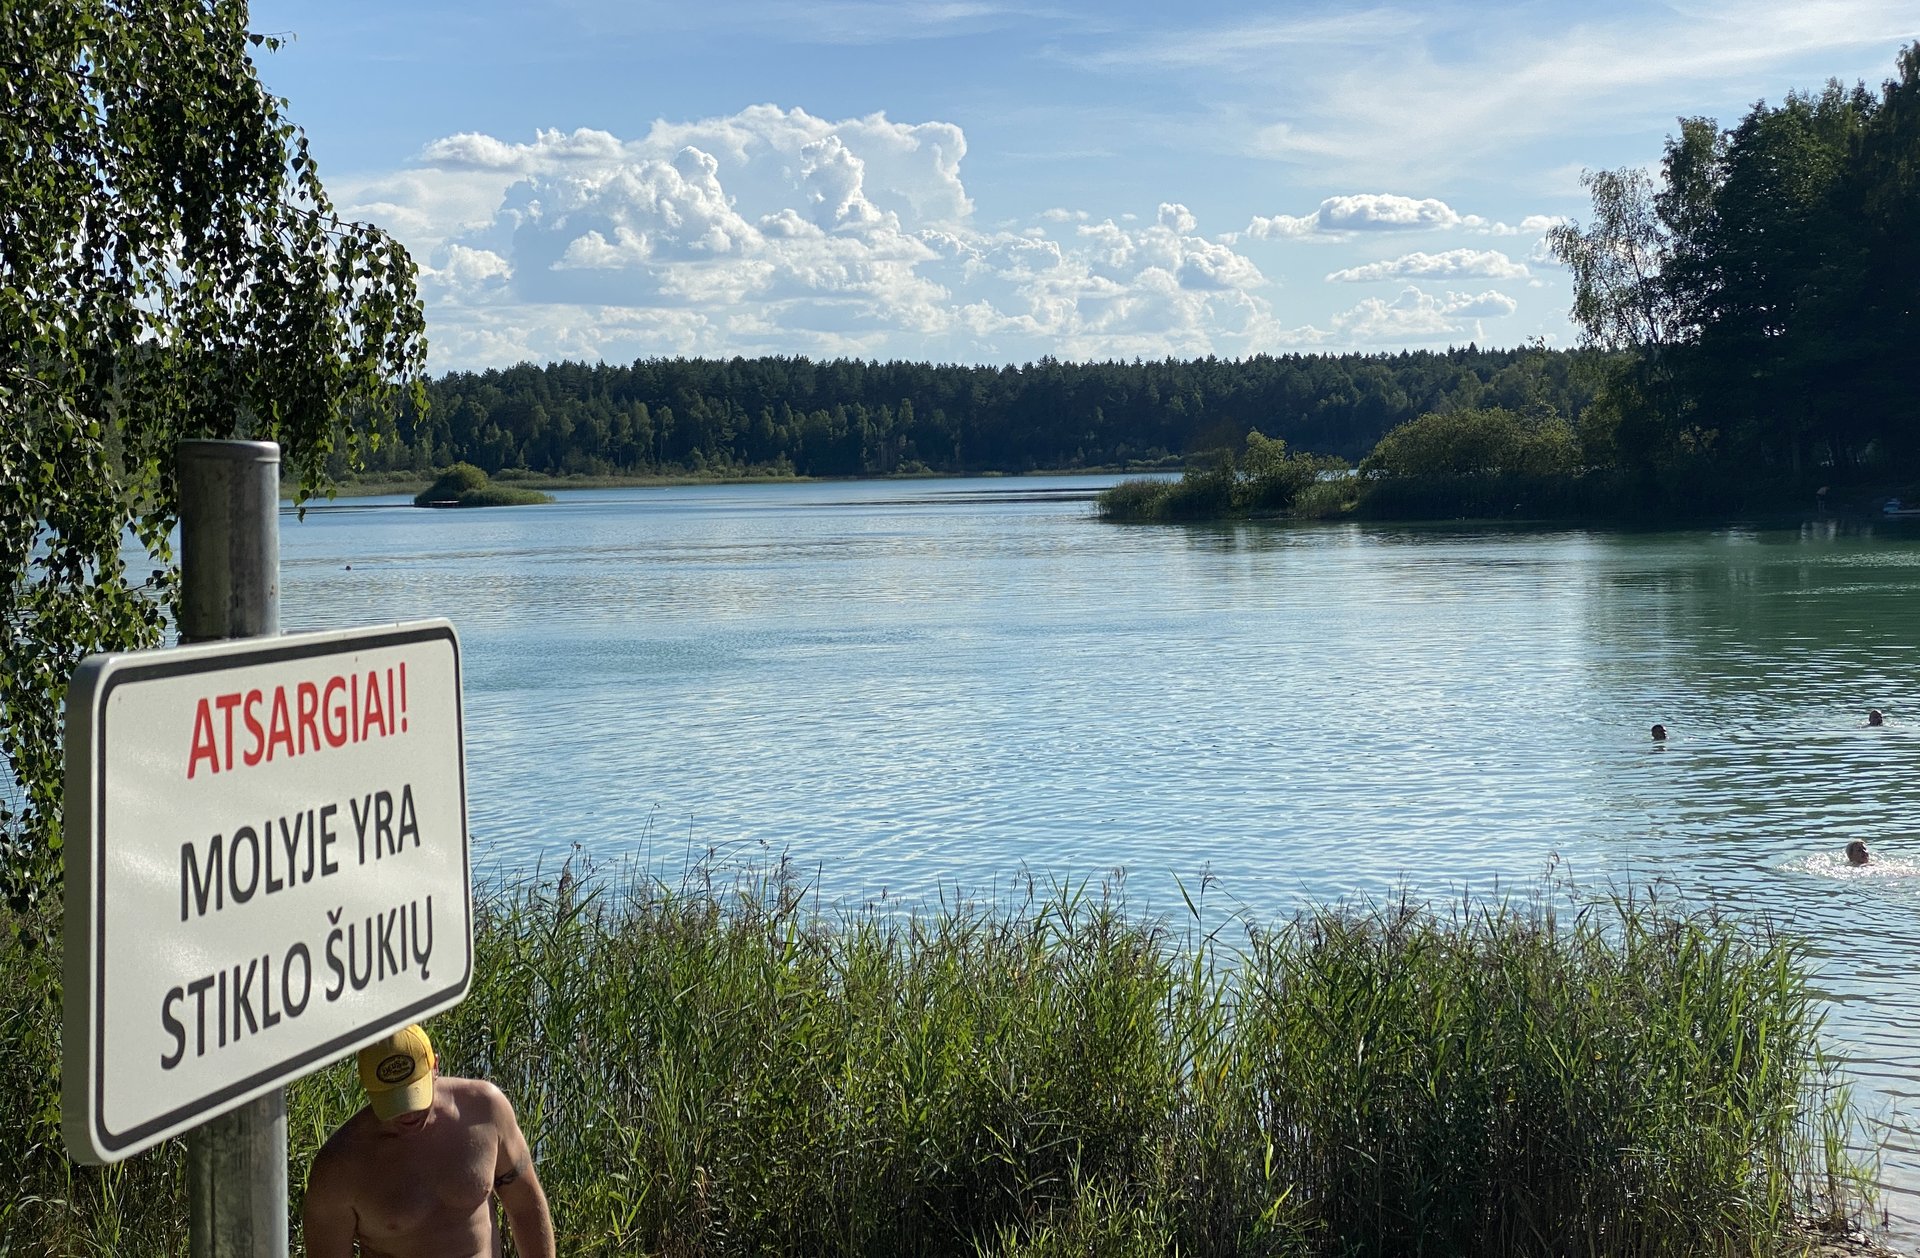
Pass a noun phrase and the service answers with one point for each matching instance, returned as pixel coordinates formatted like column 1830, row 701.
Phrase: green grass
column 712, row 1070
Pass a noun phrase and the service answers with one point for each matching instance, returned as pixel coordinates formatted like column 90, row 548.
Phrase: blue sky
column 971, row 181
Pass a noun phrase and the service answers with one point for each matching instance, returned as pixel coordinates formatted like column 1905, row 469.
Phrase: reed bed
column 712, row 1070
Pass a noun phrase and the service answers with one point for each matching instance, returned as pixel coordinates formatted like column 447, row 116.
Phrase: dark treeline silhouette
column 1763, row 290
column 849, row 417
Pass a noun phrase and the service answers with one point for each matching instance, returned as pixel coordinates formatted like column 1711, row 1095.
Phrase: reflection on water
column 1835, row 865
column 911, row 686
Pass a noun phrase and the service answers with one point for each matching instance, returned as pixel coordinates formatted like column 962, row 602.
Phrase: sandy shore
column 1847, row 1245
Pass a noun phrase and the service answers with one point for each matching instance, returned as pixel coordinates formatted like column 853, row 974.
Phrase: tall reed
column 719, row 1070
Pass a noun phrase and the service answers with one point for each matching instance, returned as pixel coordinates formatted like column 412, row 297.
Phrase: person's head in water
column 1659, row 733
column 1856, row 853
column 1874, row 717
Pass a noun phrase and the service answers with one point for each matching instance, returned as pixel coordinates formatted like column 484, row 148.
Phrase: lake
column 915, row 687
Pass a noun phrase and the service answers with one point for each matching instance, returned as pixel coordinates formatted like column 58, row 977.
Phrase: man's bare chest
column 429, row 1197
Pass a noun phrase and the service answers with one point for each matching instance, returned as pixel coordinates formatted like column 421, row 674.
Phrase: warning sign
column 267, row 865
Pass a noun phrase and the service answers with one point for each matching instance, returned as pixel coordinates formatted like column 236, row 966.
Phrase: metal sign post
column 230, row 588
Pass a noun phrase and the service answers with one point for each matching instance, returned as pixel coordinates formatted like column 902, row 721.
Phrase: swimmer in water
column 1874, row 717
column 1856, row 853
column 1659, row 733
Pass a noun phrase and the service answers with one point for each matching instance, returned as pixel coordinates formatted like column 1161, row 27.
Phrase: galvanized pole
column 230, row 588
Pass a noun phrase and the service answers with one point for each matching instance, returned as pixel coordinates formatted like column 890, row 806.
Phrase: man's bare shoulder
column 476, row 1100
column 356, row 1130
column 336, row 1157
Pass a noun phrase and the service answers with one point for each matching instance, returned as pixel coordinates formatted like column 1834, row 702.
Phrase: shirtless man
column 414, row 1173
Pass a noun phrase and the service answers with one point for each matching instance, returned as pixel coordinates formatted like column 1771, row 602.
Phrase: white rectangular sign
column 267, row 866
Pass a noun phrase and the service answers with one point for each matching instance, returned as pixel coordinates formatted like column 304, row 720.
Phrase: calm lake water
column 911, row 687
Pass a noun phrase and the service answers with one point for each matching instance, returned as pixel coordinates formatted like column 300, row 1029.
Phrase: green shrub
column 1489, row 442
column 1327, row 499
column 1271, row 477
column 503, row 496
column 1205, row 491
column 465, row 485
column 459, row 479
column 1138, row 499
column 1265, row 480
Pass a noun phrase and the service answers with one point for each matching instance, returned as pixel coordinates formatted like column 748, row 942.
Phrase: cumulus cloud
column 1531, row 225
column 1453, row 264
column 774, row 231
column 1416, row 316
column 471, row 150
column 467, row 271
column 1362, row 212
column 1355, row 216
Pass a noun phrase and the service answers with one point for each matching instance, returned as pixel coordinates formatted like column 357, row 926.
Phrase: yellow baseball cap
column 397, row 1072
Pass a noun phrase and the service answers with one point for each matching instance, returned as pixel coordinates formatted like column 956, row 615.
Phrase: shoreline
column 548, row 484
column 1835, row 514
column 1851, row 1244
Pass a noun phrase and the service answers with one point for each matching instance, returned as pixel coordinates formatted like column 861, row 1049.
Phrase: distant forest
column 853, row 418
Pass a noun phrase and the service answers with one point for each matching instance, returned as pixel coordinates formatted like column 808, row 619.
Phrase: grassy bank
column 709, row 1071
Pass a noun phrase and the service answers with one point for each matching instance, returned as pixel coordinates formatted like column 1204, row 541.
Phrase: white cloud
column 1490, row 304
column 771, row 231
column 1416, row 316
column 474, row 151
column 464, row 270
column 1362, row 212
column 1453, row 264
column 1531, row 225
column 830, row 180
column 423, row 207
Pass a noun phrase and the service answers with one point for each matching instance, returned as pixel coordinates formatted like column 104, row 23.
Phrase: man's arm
column 327, row 1221
column 519, row 1190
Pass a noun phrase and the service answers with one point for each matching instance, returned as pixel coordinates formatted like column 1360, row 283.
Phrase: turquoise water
column 911, row 687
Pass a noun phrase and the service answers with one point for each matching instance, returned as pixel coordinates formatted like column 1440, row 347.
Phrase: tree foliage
column 170, row 267
column 1766, row 289
column 847, row 417
column 1476, row 442
column 1266, row 479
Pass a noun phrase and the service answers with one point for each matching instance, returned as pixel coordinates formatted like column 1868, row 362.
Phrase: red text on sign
column 248, row 727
